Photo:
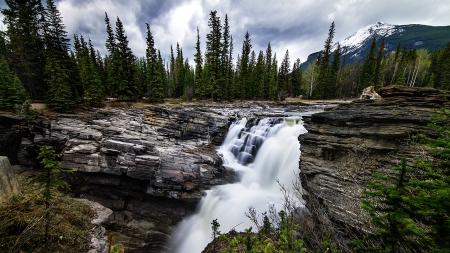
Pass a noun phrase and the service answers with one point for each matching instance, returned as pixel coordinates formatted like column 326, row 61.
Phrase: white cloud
column 300, row 26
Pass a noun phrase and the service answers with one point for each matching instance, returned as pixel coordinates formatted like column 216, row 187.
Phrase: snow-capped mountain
column 356, row 46
column 365, row 35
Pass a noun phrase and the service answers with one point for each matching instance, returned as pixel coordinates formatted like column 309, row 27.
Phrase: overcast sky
column 300, row 26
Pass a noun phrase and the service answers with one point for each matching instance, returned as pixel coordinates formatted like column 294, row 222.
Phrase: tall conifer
column 154, row 81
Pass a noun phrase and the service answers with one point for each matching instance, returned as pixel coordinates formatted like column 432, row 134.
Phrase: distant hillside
column 412, row 36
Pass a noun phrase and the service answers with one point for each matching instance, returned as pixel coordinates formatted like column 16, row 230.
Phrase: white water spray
column 267, row 152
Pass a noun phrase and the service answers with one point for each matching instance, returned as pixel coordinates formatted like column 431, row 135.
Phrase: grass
column 22, row 223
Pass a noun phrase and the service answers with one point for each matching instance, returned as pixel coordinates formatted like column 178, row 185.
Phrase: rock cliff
column 345, row 145
column 150, row 165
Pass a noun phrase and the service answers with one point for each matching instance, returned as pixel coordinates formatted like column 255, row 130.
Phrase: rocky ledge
column 150, row 165
column 345, row 145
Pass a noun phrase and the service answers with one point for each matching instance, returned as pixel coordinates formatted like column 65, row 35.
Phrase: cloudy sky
column 299, row 26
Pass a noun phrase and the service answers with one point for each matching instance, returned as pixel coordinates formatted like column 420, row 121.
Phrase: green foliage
column 273, row 237
column 411, row 211
column 391, row 212
column 13, row 96
column 59, row 96
column 48, row 179
column 155, row 87
column 24, row 22
column 22, row 223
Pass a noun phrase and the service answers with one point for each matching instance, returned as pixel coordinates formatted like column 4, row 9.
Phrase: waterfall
column 261, row 152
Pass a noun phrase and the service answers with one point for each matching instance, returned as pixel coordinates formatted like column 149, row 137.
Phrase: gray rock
column 99, row 241
column 9, row 186
column 344, row 146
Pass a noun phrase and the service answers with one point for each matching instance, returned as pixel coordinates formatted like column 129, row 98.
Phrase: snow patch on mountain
column 356, row 40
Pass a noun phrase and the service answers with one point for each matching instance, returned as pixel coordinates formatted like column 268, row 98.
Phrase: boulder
column 9, row 186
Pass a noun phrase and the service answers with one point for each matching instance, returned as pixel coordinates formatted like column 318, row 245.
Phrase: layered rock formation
column 150, row 165
column 345, row 145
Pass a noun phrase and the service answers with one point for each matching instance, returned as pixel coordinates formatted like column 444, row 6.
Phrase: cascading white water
column 267, row 152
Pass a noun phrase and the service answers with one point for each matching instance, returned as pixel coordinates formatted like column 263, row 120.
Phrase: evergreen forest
column 39, row 62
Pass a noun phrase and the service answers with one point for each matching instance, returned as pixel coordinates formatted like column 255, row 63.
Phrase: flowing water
column 262, row 153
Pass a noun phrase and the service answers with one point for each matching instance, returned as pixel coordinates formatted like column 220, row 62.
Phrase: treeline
column 330, row 76
column 36, row 49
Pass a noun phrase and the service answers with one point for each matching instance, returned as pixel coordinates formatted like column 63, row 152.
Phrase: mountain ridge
column 356, row 46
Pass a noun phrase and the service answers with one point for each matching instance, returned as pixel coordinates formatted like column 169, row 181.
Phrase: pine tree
column 334, row 71
column 198, row 59
column 13, row 96
column 284, row 77
column 225, row 79
column 111, row 60
column 378, row 79
column 25, row 24
column 179, row 72
column 297, row 84
column 93, row 94
column 392, row 214
column 251, row 89
column 49, row 182
column 230, row 73
column 259, row 74
column 368, row 69
column 3, row 48
column 57, row 45
column 412, row 210
column 273, row 82
column 59, row 96
column 244, row 72
column 323, row 82
column 395, row 64
column 401, row 79
column 432, row 196
column 443, row 81
column 154, row 81
column 268, row 71
column 212, row 55
column 127, row 89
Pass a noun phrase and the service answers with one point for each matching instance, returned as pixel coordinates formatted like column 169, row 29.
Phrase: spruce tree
column 163, row 73
column 378, row 79
column 284, row 77
column 179, row 72
column 297, row 84
column 244, row 72
column 230, row 73
column 49, row 183
column 154, row 81
column 334, row 71
column 212, row 55
column 432, row 187
column 390, row 210
column 251, row 89
column 127, row 89
column 59, row 96
column 13, row 96
column 273, row 81
column 368, row 69
column 93, row 93
column 259, row 74
column 25, row 24
column 198, row 59
column 111, row 60
column 268, row 71
column 323, row 82
column 225, row 78
column 403, row 61
column 443, row 81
